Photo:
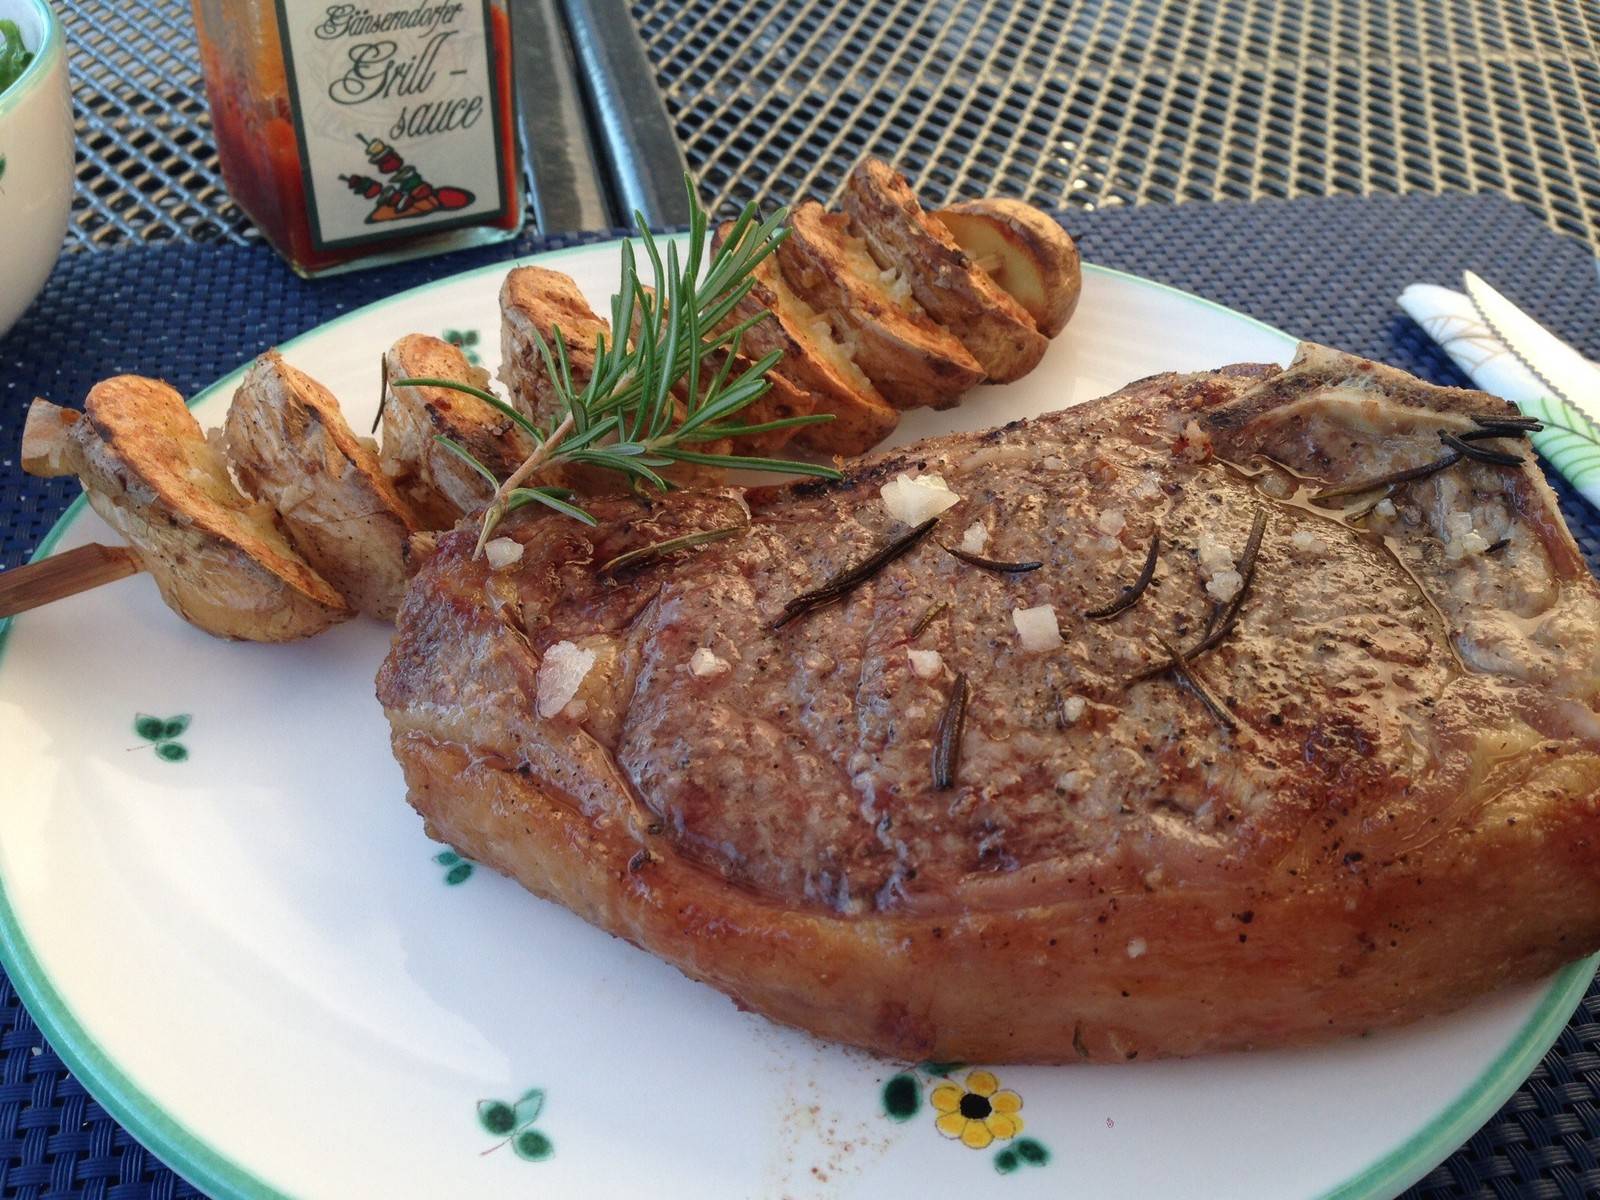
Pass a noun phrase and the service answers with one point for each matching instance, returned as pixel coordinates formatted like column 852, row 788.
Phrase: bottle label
column 399, row 115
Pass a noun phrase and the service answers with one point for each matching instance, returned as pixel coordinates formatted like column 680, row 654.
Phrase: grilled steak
column 1365, row 790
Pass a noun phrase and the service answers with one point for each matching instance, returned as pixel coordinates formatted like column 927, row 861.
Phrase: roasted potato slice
column 218, row 558
column 437, row 485
column 998, row 331
column 913, row 361
column 1023, row 250
column 815, row 361
column 537, row 299
column 289, row 445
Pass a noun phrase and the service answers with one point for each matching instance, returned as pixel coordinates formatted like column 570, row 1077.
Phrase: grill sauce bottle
column 357, row 134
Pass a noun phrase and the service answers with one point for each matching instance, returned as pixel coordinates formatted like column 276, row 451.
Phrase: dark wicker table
column 1075, row 106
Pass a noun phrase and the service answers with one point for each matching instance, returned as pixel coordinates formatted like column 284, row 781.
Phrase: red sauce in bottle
column 253, row 121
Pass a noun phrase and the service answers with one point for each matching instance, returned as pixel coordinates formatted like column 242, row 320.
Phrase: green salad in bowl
column 36, row 151
column 14, row 56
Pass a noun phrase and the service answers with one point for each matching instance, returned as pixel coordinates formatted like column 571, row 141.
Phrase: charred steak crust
column 1405, row 817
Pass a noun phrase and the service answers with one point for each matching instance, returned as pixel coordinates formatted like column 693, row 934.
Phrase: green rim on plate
column 212, row 1171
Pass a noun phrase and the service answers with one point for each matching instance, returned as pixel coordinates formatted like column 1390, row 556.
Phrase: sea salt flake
column 975, row 538
column 925, row 664
column 1072, row 708
column 704, row 663
column 502, row 552
column 1037, row 627
column 1225, row 585
column 1213, row 552
column 1136, row 947
column 1110, row 521
column 913, row 499
column 562, row 672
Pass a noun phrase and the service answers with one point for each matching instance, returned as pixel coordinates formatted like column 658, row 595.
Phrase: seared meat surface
column 1394, row 807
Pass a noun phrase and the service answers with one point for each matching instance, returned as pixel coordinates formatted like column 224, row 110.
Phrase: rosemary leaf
column 489, row 398
column 1481, row 454
column 655, row 549
column 1409, row 475
column 947, row 735
column 1185, row 674
column 467, row 457
column 1131, row 594
column 383, row 391
column 844, row 581
column 929, row 616
column 989, row 564
column 739, row 462
column 550, row 498
column 709, row 433
column 1520, row 424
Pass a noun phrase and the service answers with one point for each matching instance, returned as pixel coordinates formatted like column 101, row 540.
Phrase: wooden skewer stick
column 63, row 575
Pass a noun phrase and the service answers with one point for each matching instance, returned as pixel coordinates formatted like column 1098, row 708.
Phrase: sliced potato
column 537, row 300
column 218, row 558
column 948, row 285
column 438, row 486
column 912, row 360
column 289, row 445
column 1025, row 251
column 814, row 360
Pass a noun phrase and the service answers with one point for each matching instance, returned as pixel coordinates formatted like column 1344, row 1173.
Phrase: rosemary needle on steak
column 1516, row 424
column 654, row 549
column 1222, row 619
column 857, row 573
column 1131, row 594
column 929, row 616
column 1483, row 454
column 1180, row 668
column 990, row 564
column 1409, row 475
column 947, row 735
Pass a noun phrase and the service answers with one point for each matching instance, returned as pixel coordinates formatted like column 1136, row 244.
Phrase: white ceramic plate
column 240, row 940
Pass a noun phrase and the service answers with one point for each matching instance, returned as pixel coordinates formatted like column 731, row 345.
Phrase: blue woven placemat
column 1327, row 269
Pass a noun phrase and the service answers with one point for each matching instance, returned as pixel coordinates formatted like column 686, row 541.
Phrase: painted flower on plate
column 977, row 1111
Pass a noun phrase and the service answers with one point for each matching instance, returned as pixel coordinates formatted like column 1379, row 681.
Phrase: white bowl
column 36, row 144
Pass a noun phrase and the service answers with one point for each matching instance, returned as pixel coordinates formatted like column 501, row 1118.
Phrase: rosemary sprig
column 626, row 417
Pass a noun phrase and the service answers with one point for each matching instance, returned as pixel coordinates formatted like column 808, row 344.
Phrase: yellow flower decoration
column 978, row 1113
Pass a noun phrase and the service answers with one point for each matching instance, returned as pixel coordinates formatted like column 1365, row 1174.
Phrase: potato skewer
column 874, row 310
column 62, row 575
column 218, row 558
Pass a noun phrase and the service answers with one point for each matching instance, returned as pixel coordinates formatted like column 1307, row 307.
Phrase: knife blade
column 638, row 138
column 570, row 189
column 1566, row 372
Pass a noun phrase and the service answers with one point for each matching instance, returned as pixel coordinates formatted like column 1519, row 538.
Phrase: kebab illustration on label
column 406, row 194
